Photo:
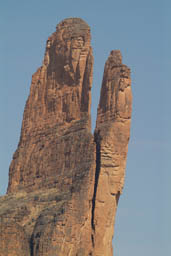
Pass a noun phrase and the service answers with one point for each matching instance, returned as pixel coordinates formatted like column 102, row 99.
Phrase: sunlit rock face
column 57, row 109
column 65, row 182
column 112, row 136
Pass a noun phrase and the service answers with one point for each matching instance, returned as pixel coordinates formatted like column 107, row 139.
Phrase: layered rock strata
column 65, row 183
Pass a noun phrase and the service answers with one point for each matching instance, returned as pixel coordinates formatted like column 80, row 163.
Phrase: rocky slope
column 64, row 182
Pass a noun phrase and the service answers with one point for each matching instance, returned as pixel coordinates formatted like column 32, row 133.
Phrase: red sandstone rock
column 64, row 183
column 112, row 136
column 58, row 105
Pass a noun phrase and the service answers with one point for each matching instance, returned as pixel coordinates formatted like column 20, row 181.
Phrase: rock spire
column 64, row 182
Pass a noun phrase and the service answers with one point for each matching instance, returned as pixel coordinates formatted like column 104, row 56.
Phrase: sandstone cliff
column 64, row 182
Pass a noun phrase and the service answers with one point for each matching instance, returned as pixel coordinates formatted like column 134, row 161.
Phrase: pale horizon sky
column 141, row 30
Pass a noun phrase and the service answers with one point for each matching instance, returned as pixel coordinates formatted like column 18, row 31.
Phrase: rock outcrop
column 57, row 113
column 64, row 182
column 111, row 136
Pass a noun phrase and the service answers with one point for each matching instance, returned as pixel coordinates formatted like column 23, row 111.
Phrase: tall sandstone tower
column 64, row 182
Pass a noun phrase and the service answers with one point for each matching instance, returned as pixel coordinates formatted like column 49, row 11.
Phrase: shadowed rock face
column 65, row 183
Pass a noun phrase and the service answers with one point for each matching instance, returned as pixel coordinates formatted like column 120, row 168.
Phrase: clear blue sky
column 141, row 30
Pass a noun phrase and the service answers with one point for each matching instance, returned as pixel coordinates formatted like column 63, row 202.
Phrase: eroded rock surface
column 56, row 121
column 65, row 183
column 112, row 136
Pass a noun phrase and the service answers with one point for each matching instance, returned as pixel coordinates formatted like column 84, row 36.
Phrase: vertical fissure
column 31, row 245
column 97, row 139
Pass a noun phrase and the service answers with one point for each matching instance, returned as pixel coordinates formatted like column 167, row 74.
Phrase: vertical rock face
column 65, row 183
column 112, row 136
column 57, row 112
column 113, row 119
